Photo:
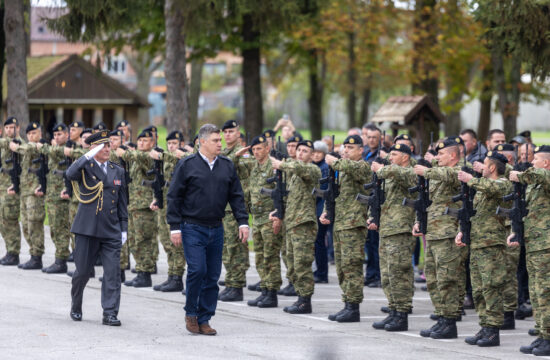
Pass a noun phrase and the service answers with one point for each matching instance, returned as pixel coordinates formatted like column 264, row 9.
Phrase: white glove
column 124, row 237
column 90, row 154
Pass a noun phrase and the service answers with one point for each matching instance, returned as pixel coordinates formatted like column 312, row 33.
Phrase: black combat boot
column 332, row 317
column 58, row 267
column 542, row 349
column 258, row 299
column 70, row 258
column 233, row 294
column 255, row 287
column 434, row 317
column 143, row 279
column 221, row 282
column 472, row 340
column 157, row 287
column 435, row 327
column 379, row 325
column 490, row 337
column 11, row 259
column 385, row 309
column 468, row 302
column 528, row 349
column 447, row 330
column 269, row 301
column 174, row 284
column 399, row 322
column 523, row 311
column 302, row 306
column 155, row 270
column 3, row 259
column 533, row 332
column 509, row 322
column 122, row 276
column 35, row 263
column 98, row 261
column 290, row 290
column 350, row 314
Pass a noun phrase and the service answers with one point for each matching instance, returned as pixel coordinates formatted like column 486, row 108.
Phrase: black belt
column 205, row 223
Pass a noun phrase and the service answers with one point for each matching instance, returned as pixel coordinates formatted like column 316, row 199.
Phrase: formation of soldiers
column 472, row 215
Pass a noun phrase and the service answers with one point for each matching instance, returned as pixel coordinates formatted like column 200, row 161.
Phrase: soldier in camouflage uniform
column 235, row 252
column 32, row 199
column 442, row 265
column 537, row 245
column 349, row 226
column 487, row 256
column 396, row 243
column 144, row 220
column 58, row 208
column 9, row 203
column 301, row 223
column 176, row 257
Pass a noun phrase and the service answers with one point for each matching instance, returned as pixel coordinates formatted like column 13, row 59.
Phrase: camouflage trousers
column 464, row 256
column 33, row 213
column 124, row 254
column 175, row 255
column 144, row 223
column 300, row 252
column 539, row 276
column 442, row 267
column 510, row 292
column 235, row 253
column 73, row 208
column 288, row 273
column 10, row 230
column 349, row 253
column 267, row 247
column 58, row 216
column 488, row 272
column 396, row 270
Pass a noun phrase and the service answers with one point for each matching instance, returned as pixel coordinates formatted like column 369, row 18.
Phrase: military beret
column 354, row 140
column 122, row 124
column 295, row 138
column 175, row 135
column 86, row 131
column 402, row 148
column 116, row 133
column 60, row 127
column 256, row 141
column 131, row 145
column 32, row 126
column 402, row 137
column 11, row 120
column 493, row 155
column 268, row 133
column 145, row 134
column 525, row 134
column 77, row 124
column 100, row 137
column 542, row 149
column 307, row 143
column 151, row 128
column 449, row 141
column 519, row 139
column 230, row 124
column 504, row 147
column 100, row 126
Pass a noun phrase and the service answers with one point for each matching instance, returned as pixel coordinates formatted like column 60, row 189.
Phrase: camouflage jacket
column 444, row 184
column 488, row 228
column 537, row 221
column 5, row 152
column 140, row 162
column 350, row 213
column 396, row 218
column 301, row 205
column 77, row 152
column 56, row 183
column 243, row 177
column 29, row 181
column 260, row 205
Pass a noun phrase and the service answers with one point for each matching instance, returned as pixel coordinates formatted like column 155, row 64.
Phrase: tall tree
column 14, row 28
column 2, row 50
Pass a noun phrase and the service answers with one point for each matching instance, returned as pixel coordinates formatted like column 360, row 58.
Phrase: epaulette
column 114, row 164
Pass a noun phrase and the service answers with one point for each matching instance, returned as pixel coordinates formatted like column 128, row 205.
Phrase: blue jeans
column 373, row 264
column 321, row 254
column 203, row 248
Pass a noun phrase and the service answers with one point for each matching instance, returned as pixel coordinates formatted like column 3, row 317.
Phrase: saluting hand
column 242, row 151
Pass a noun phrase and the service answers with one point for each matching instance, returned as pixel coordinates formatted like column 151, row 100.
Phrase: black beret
column 402, row 148
column 122, row 124
column 100, row 126
column 86, row 131
column 493, row 155
column 116, row 133
column 542, row 149
column 32, row 126
column 195, row 139
column 353, row 140
column 504, row 147
column 402, row 137
column 268, row 133
column 175, row 135
column 230, row 124
column 525, row 134
column 60, row 127
column 295, row 138
column 11, row 120
column 307, row 143
column 449, row 141
column 77, row 124
column 131, row 145
column 100, row 137
column 257, row 140
column 145, row 134
column 151, row 128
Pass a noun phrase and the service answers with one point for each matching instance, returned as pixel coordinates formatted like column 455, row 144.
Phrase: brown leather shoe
column 192, row 325
column 205, row 329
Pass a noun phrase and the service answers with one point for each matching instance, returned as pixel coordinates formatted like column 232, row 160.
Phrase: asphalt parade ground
column 35, row 324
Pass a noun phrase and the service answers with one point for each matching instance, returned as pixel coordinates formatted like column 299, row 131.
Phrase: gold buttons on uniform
column 113, row 191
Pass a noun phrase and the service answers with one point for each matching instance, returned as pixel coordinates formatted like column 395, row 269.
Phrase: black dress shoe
column 319, row 280
column 70, row 273
column 11, row 260
column 111, row 320
column 98, row 261
column 468, row 302
column 70, row 258
column 76, row 313
column 222, row 283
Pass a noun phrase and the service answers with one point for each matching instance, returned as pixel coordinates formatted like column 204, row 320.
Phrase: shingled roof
column 404, row 109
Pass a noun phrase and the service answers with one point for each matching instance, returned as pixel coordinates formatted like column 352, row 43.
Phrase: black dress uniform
column 100, row 221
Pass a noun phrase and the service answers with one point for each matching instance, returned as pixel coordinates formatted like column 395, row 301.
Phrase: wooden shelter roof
column 404, row 109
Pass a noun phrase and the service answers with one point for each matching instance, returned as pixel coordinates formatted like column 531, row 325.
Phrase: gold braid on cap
column 96, row 192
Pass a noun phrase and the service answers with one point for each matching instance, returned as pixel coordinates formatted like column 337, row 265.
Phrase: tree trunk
column 508, row 92
column 177, row 97
column 2, row 53
column 195, row 92
column 315, row 100
column 144, row 66
column 352, row 82
column 252, row 82
column 366, row 102
column 485, row 99
column 14, row 28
